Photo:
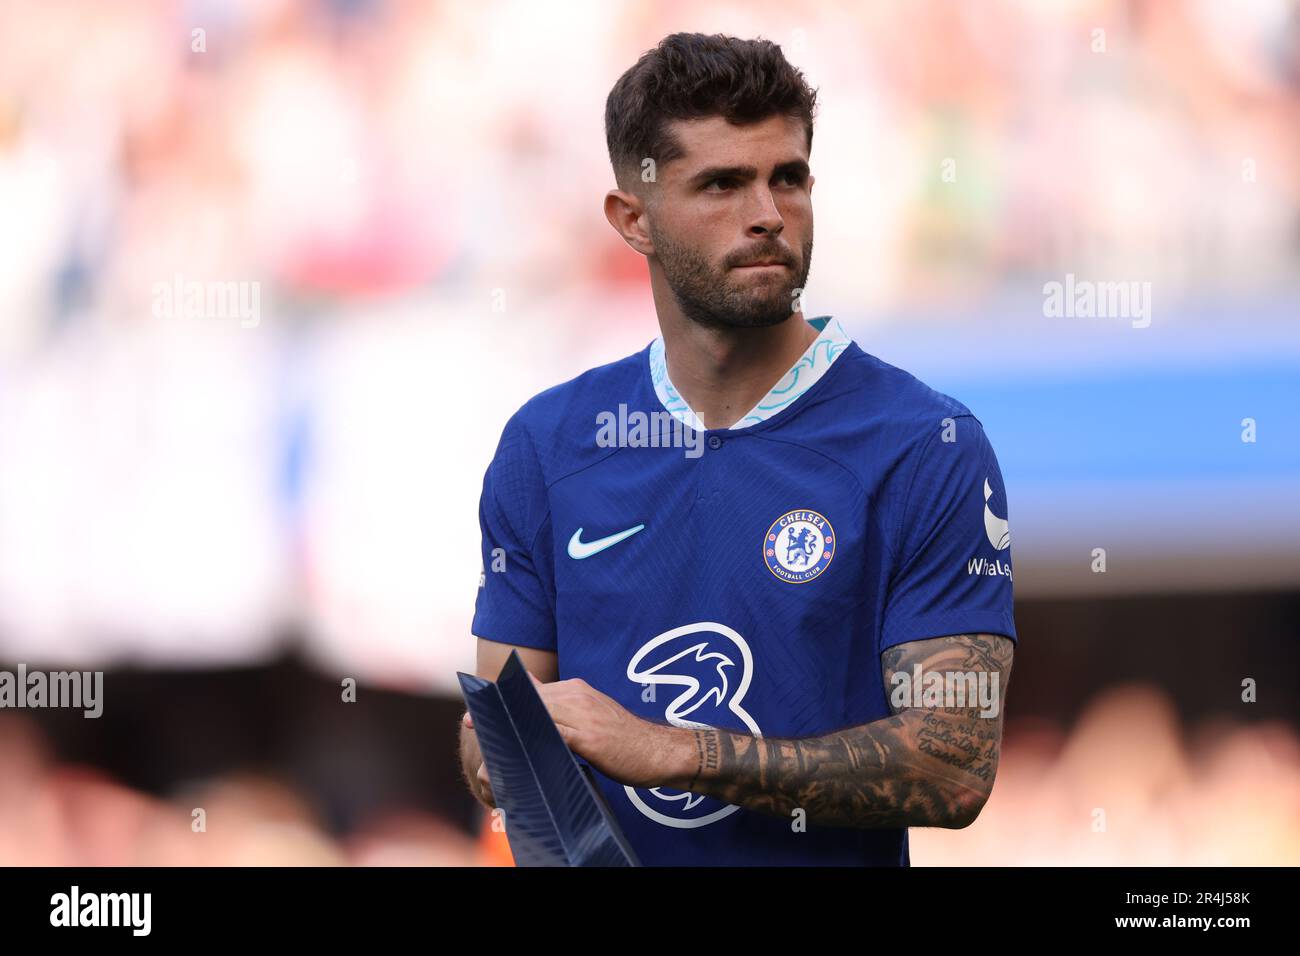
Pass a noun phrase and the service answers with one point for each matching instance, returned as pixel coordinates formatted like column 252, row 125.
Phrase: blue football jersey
column 745, row 578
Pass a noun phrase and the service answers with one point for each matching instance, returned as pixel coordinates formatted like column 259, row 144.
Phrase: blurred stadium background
column 231, row 517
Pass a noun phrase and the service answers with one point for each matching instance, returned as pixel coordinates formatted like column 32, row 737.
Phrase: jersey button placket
column 712, row 463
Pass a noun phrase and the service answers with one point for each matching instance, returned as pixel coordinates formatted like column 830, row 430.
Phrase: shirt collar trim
column 830, row 343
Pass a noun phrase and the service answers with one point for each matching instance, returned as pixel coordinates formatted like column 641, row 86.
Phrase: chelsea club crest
column 799, row 546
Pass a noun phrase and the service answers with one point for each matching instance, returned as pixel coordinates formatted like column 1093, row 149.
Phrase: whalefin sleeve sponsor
column 952, row 572
column 516, row 602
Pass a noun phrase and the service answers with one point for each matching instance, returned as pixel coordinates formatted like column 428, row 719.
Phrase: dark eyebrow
column 796, row 166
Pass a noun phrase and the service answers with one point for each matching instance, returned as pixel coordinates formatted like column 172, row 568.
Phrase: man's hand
column 621, row 745
column 492, row 655
column 479, row 783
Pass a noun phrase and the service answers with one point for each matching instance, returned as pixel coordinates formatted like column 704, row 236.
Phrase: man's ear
column 626, row 213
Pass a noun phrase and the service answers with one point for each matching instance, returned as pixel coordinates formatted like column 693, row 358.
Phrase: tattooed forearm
column 923, row 766
column 707, row 745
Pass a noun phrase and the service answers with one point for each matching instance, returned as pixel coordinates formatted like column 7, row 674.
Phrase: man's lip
column 757, row 265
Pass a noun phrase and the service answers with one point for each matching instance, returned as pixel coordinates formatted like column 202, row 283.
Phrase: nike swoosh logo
column 579, row 549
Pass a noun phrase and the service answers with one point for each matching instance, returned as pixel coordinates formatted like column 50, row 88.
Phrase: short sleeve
column 952, row 572
column 516, row 594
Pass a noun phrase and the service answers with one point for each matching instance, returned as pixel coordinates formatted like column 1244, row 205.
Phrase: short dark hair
column 694, row 75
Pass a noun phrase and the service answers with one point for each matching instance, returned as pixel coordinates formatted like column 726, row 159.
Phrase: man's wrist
column 681, row 757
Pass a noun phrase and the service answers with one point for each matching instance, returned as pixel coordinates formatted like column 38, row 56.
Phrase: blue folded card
column 554, row 813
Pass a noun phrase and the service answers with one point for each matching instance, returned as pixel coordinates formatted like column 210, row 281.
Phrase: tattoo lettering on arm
column 925, row 765
column 962, row 737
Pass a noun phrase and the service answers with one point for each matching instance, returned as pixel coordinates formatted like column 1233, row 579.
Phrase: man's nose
column 766, row 217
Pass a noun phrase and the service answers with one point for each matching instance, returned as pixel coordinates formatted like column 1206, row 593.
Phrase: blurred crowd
column 344, row 149
column 54, row 813
column 1217, row 794
column 1131, row 785
column 414, row 190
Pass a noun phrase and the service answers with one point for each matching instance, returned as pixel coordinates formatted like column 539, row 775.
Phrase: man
column 736, row 559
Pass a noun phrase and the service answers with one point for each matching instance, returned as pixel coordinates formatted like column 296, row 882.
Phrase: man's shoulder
column 892, row 395
column 560, row 422
column 879, row 419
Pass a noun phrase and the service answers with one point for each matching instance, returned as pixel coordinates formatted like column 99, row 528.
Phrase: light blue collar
column 812, row 365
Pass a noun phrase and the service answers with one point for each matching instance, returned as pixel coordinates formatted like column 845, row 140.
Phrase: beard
column 722, row 297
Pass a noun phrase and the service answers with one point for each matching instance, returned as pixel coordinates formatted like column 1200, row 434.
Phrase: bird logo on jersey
column 799, row 546
column 713, row 667
column 996, row 528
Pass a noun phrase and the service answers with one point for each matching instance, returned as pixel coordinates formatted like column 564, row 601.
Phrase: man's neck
column 722, row 373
